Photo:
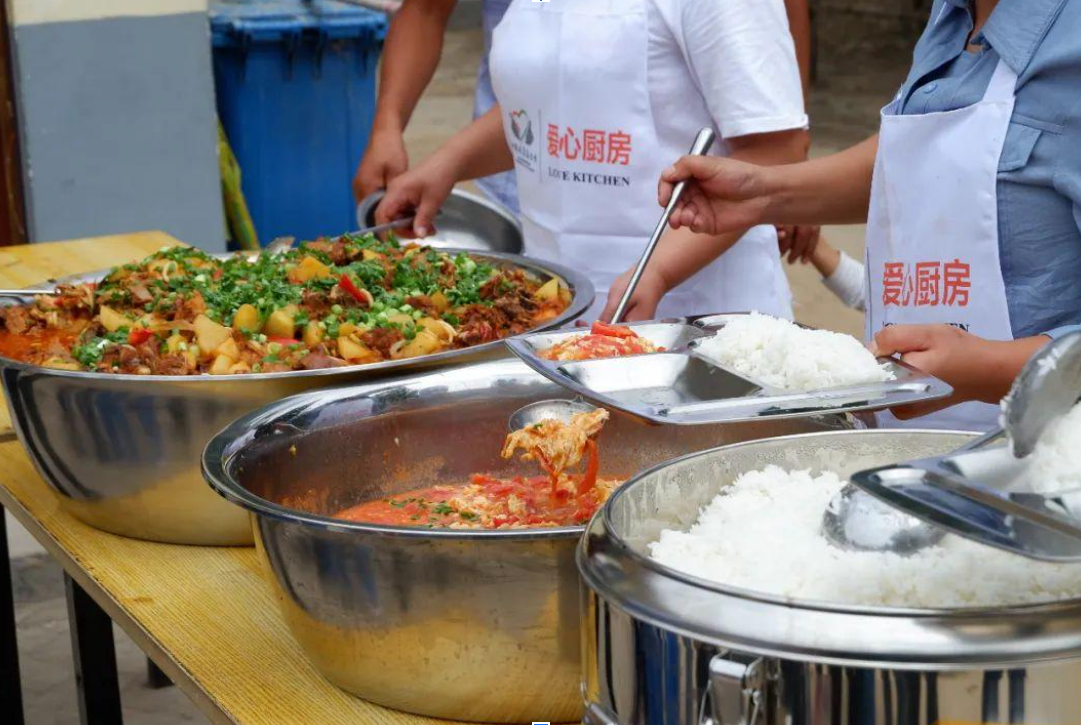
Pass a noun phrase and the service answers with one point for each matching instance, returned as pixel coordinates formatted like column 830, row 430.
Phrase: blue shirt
column 1039, row 174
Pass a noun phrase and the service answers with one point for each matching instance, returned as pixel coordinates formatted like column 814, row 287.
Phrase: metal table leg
column 155, row 678
column 96, row 678
column 11, row 695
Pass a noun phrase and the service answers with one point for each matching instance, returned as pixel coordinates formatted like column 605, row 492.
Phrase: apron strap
column 1003, row 83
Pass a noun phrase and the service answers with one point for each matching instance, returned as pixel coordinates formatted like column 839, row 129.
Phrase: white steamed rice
column 781, row 354
column 763, row 533
column 1055, row 465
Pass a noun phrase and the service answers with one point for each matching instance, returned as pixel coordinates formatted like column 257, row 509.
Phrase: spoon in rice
column 1047, row 388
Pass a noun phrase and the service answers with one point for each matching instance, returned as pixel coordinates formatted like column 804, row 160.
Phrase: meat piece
column 335, row 250
column 491, row 289
column 140, row 295
column 381, row 339
column 17, row 320
column 316, row 304
column 188, row 308
column 475, row 333
column 170, row 365
column 424, row 304
column 319, row 361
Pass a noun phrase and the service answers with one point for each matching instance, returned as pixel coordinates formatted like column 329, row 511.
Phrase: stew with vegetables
column 485, row 502
column 352, row 300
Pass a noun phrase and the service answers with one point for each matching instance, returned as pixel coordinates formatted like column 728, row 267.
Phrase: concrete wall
column 117, row 121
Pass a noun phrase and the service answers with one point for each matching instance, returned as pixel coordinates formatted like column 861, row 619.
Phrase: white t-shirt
column 729, row 61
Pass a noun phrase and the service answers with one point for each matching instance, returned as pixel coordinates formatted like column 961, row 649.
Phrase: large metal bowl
column 123, row 450
column 665, row 648
column 463, row 625
column 465, row 220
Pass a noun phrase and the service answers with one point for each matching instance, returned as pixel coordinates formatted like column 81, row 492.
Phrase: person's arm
column 728, row 194
column 799, row 24
column 978, row 369
column 480, row 149
column 411, row 53
column 682, row 252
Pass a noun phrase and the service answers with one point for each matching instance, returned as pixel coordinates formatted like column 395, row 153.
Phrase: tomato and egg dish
column 557, row 498
column 351, row 300
column 603, row 340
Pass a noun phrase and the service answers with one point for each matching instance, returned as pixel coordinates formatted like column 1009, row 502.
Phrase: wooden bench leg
column 11, row 694
column 94, row 652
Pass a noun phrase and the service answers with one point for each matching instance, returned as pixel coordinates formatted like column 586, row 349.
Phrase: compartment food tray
column 683, row 386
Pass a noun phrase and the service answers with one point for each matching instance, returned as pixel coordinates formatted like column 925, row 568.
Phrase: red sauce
column 602, row 341
column 35, row 346
column 485, row 503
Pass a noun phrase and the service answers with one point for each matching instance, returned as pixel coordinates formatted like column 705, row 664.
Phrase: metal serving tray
column 683, row 386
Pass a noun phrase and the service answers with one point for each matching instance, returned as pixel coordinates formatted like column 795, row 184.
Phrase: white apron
column 571, row 78
column 932, row 229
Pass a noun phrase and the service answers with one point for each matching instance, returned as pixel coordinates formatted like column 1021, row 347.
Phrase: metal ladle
column 561, row 410
column 564, row 409
column 283, row 244
column 1047, row 388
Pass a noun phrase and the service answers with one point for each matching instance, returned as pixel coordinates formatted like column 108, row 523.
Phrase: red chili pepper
column 138, row 335
column 603, row 328
column 350, row 286
column 589, row 480
column 283, row 341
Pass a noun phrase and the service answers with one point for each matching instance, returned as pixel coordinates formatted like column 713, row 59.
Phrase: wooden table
column 204, row 615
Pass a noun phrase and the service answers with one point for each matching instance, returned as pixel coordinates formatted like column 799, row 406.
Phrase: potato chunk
column 210, row 334
column 246, row 318
column 279, row 324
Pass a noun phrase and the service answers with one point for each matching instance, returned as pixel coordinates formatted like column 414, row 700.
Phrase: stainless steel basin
column 122, row 451
column 455, row 624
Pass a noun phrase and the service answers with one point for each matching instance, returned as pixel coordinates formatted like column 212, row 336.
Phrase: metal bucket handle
column 735, row 694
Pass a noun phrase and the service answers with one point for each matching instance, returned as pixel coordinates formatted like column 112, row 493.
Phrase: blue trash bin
column 295, row 83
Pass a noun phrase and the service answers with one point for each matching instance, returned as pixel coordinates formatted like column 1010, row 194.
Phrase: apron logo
column 926, row 284
column 521, row 126
column 599, row 147
column 521, row 141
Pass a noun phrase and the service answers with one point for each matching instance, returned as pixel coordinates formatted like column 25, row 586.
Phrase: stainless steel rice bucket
column 123, row 451
column 479, row 626
column 665, row 648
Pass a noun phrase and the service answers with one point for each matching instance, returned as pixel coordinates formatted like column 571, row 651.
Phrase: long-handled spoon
column 1047, row 388
column 702, row 143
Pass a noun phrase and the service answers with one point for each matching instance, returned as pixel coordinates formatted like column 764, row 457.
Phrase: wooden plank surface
column 203, row 614
column 26, row 265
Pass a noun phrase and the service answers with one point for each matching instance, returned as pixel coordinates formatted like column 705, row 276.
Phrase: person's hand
column 643, row 303
column 721, row 195
column 420, row 192
column 978, row 369
column 798, row 241
column 384, row 160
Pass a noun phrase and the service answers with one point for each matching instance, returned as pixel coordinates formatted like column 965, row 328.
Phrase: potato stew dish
column 352, row 300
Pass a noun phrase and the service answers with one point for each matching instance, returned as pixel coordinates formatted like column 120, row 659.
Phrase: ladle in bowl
column 1046, row 389
column 561, row 410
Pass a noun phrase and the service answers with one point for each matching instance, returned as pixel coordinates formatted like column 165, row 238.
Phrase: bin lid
column 241, row 22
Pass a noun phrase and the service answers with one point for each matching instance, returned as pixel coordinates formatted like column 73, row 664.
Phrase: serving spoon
column 561, row 410
column 1046, row 389
column 283, row 244
column 25, row 294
